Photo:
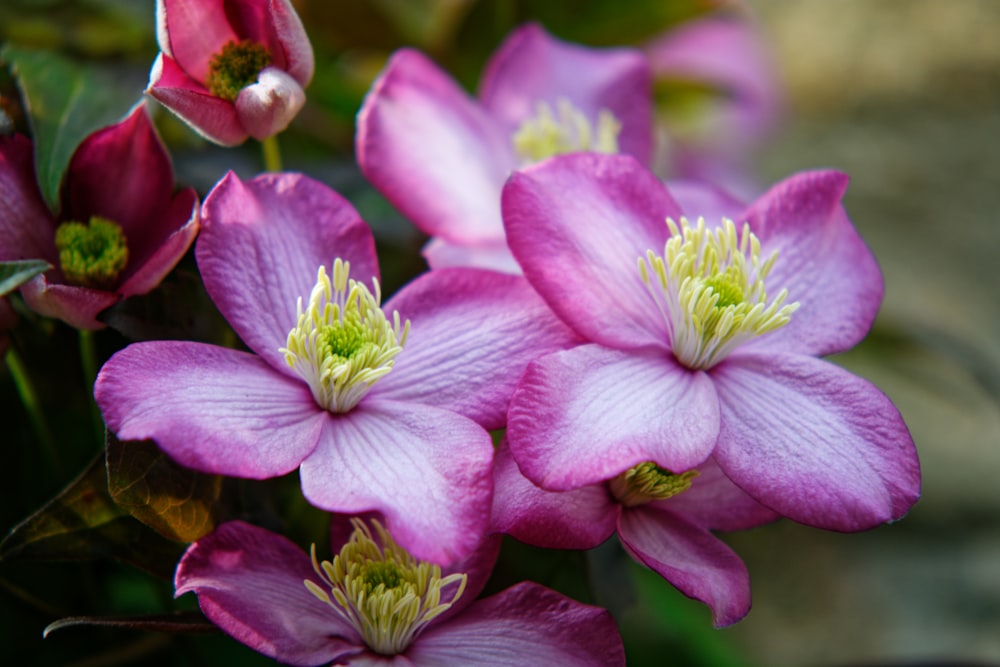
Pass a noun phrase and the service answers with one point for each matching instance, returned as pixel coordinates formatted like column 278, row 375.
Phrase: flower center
column 647, row 482
column 386, row 594
column 235, row 67
column 92, row 255
column 709, row 286
column 565, row 131
column 343, row 342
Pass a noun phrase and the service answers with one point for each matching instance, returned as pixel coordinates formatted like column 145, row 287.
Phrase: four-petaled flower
column 231, row 69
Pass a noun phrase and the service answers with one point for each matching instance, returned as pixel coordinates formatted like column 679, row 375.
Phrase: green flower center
column 709, row 287
column 386, row 594
column 92, row 255
column 566, row 130
column 235, row 67
column 342, row 342
column 647, row 482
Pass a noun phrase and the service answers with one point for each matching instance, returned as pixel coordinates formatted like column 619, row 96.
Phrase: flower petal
column 814, row 442
column 267, row 107
column 249, row 583
column 426, row 470
column 578, row 224
column 531, row 66
column 212, row 117
column 294, row 42
column 585, row 415
column 197, row 30
column 714, row 502
column 472, row 333
column 76, row 306
column 494, row 255
column 261, row 244
column 148, row 268
column 433, row 151
column 27, row 229
column 578, row 519
column 526, row 624
column 688, row 556
column 210, row 408
column 699, row 199
column 822, row 261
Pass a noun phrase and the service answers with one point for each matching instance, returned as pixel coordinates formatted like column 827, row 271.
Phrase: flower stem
column 88, row 361
column 272, row 153
column 26, row 390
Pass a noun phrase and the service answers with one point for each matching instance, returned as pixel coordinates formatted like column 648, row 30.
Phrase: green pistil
column 647, row 482
column 729, row 292
column 381, row 573
column 345, row 339
column 92, row 255
column 235, row 67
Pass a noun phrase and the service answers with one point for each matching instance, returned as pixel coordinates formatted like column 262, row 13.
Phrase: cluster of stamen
column 709, row 286
column 342, row 342
column 565, row 131
column 235, row 67
column 92, row 255
column 382, row 591
column 647, row 482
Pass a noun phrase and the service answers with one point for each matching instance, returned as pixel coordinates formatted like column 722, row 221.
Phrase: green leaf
column 83, row 522
column 65, row 101
column 15, row 274
column 175, row 501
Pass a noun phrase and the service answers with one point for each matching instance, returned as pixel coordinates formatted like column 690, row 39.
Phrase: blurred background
column 903, row 95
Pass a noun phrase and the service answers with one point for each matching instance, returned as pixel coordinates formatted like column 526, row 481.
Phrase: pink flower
column 381, row 409
column 442, row 157
column 702, row 341
column 266, row 592
column 120, row 227
column 665, row 529
column 231, row 69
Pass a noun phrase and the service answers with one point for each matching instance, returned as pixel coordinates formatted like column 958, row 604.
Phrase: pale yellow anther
column 566, row 130
column 647, row 482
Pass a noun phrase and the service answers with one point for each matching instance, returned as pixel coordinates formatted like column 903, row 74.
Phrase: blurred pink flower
column 231, row 69
column 120, row 228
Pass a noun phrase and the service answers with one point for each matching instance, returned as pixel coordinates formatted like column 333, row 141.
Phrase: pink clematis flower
column 663, row 521
column 231, row 69
column 120, row 227
column 442, row 157
column 377, row 605
column 380, row 409
column 702, row 341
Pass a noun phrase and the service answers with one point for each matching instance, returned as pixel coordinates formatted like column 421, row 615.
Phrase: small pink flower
column 380, row 606
column 231, row 69
column 120, row 227
column 441, row 157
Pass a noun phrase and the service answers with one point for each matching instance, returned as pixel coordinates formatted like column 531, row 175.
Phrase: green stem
column 272, row 153
column 88, row 360
column 30, row 401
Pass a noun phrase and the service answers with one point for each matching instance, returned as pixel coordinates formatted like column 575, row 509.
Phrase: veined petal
column 531, row 66
column 578, row 519
column 426, row 470
column 585, row 415
column 249, row 583
column 210, row 408
column 822, row 262
column 688, row 556
column 526, row 624
column 262, row 243
column 197, row 30
column 494, row 255
column 472, row 333
column 267, row 107
column 699, row 199
column 212, row 117
column 814, row 442
column 294, row 42
column 578, row 224
column 172, row 237
column 433, row 151
column 76, row 306
column 27, row 229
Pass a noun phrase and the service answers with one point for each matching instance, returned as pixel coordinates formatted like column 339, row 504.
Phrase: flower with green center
column 235, row 67
column 386, row 594
column 92, row 255
column 374, row 602
column 647, row 482
column 342, row 342
column 548, row 134
column 538, row 97
column 709, row 286
column 690, row 356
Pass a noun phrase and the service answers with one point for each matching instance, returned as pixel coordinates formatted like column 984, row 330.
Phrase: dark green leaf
column 175, row 501
column 15, row 274
column 184, row 621
column 65, row 101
